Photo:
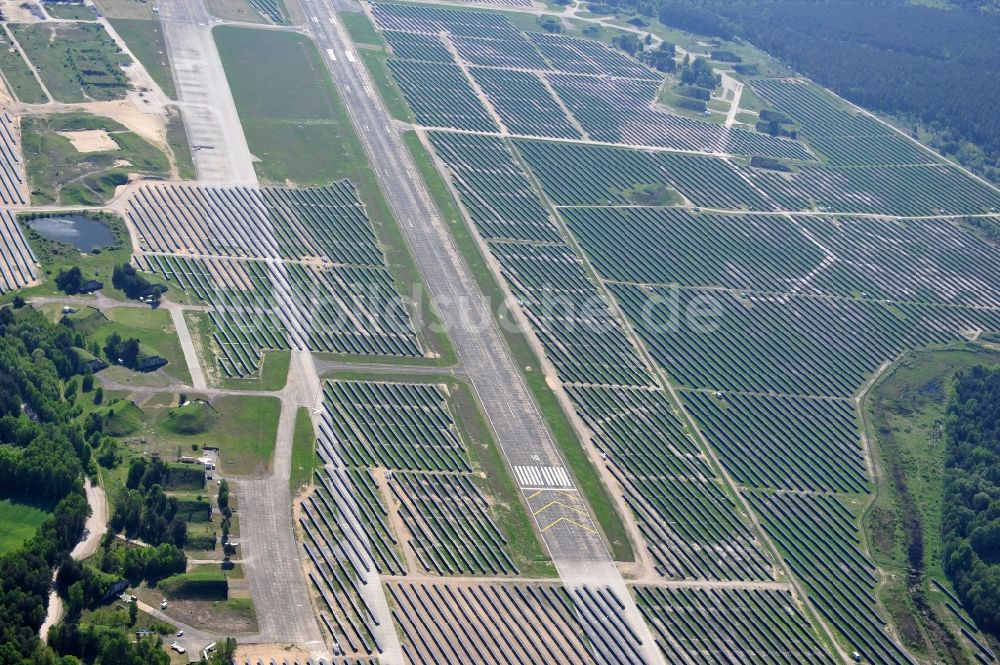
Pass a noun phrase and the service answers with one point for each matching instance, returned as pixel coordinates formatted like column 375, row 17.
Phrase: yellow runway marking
column 573, row 522
column 559, row 503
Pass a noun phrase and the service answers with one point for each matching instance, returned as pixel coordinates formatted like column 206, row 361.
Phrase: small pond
column 82, row 232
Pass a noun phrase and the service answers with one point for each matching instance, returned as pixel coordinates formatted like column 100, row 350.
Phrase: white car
column 163, row 605
column 177, row 647
column 180, row 633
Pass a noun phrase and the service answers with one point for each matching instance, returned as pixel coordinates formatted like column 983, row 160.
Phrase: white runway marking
column 330, row 53
column 542, row 476
column 350, row 56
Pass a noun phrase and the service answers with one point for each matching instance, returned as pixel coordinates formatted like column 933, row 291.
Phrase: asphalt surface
column 218, row 146
column 187, row 345
column 569, row 533
column 221, row 156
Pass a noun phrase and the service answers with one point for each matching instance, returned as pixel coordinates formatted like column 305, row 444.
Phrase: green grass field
column 78, row 62
column 17, row 75
column 20, row 518
column 203, row 582
column 121, row 418
column 309, row 142
column 155, row 331
column 563, row 432
column 144, row 38
column 303, row 452
column 906, row 412
column 242, row 427
column 245, row 433
column 360, row 28
column 59, row 174
column 70, row 11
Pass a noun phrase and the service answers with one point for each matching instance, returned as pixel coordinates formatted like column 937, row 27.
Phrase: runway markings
column 542, row 476
column 330, row 53
column 550, row 504
column 566, row 519
column 350, row 56
column 571, row 494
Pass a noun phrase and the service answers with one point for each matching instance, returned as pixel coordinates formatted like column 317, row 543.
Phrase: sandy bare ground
column 265, row 652
column 93, row 531
column 90, row 140
column 5, row 96
column 18, row 11
column 147, row 123
column 97, row 523
column 150, row 124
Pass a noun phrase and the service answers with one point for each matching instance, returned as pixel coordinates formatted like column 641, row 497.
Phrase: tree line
column 970, row 519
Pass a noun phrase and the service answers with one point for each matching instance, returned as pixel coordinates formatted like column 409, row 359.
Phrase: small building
column 115, row 590
column 96, row 365
column 151, row 364
column 91, row 285
column 88, row 359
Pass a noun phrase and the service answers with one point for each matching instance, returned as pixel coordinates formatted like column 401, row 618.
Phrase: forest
column 936, row 68
column 46, row 446
column 971, row 507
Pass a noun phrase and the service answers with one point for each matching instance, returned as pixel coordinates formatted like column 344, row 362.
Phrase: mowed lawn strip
column 388, row 89
column 303, row 451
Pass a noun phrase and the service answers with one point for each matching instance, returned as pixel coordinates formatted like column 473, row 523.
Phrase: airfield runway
column 572, row 538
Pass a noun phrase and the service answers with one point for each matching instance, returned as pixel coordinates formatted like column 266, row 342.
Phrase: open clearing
column 90, row 140
column 19, row 519
column 307, row 143
column 58, row 174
